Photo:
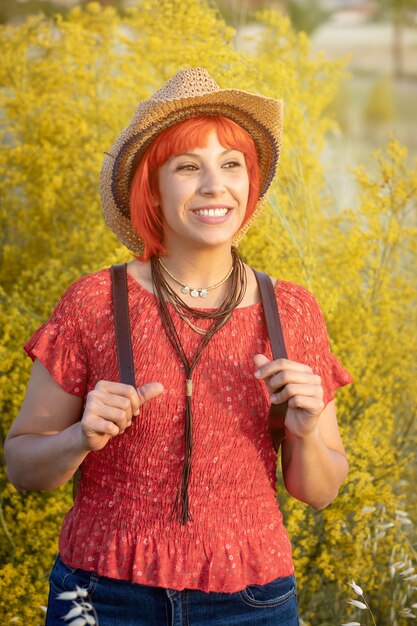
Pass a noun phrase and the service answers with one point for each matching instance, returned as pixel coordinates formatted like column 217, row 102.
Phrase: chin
column 217, row 239
column 214, row 242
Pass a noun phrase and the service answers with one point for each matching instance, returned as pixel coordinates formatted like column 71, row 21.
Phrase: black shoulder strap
column 123, row 338
column 122, row 324
column 273, row 322
column 276, row 339
column 124, row 343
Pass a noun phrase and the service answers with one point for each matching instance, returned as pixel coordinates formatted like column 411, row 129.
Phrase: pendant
column 185, row 289
column 194, row 293
column 203, row 293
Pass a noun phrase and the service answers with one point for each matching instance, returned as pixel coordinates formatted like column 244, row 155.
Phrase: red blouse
column 122, row 523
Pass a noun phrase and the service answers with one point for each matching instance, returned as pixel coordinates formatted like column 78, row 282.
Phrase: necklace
column 194, row 291
column 219, row 317
column 185, row 319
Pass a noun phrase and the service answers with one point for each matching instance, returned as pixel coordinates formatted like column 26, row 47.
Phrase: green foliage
column 68, row 85
column 380, row 106
column 365, row 279
column 306, row 16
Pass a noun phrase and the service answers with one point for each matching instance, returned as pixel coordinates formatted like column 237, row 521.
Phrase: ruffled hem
column 306, row 337
column 335, row 376
column 59, row 358
column 222, row 564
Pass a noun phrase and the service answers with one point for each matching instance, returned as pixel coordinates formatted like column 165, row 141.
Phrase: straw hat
column 189, row 93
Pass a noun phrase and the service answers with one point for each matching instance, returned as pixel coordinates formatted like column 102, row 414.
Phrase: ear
column 156, row 201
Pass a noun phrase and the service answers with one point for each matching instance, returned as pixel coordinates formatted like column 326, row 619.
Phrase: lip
column 212, row 219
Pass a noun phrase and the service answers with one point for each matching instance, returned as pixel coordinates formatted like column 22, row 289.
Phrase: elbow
column 321, row 494
column 317, row 499
column 14, row 476
column 18, row 486
column 14, row 480
column 10, row 474
column 319, row 505
column 328, row 498
column 19, row 482
column 319, row 502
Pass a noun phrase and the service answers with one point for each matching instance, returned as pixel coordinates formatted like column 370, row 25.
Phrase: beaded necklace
column 195, row 292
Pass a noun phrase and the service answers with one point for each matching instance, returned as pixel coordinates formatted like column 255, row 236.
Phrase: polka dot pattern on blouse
column 122, row 523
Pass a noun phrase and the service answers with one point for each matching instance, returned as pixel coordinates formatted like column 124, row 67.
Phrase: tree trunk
column 397, row 43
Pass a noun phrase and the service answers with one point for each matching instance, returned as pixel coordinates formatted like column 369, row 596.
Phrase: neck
column 201, row 268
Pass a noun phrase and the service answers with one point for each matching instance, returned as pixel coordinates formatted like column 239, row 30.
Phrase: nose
column 212, row 183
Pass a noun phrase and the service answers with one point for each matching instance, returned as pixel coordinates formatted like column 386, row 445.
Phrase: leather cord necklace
column 276, row 419
column 219, row 318
column 197, row 329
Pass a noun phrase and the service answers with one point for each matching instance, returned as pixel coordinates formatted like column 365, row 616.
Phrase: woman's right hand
column 110, row 408
column 47, row 441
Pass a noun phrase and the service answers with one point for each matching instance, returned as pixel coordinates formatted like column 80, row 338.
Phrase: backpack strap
column 122, row 324
column 124, row 343
column 276, row 419
column 122, row 335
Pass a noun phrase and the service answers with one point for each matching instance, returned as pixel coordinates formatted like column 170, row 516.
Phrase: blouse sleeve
column 307, row 340
column 58, row 344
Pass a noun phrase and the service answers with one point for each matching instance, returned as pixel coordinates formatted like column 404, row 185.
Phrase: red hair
column 192, row 133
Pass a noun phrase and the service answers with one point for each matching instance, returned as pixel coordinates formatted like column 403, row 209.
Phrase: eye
column 231, row 164
column 187, row 167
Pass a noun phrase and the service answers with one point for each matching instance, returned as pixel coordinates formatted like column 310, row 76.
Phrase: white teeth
column 212, row 212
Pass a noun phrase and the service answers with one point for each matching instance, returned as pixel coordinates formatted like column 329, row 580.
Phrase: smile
column 212, row 212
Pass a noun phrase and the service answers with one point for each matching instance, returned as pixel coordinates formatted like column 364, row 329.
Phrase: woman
column 175, row 520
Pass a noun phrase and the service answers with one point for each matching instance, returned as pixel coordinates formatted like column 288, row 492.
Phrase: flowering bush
column 67, row 88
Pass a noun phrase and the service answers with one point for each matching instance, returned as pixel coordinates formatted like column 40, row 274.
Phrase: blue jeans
column 121, row 603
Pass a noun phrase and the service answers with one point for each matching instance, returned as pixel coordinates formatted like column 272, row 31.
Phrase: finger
column 121, row 390
column 260, row 360
column 297, row 391
column 117, row 402
column 268, row 368
column 312, row 405
column 290, row 377
column 103, row 426
column 110, row 413
column 149, row 391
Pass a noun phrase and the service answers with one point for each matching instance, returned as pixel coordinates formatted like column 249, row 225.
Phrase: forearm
column 37, row 462
column 313, row 472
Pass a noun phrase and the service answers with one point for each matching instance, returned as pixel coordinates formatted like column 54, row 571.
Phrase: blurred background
column 377, row 38
column 340, row 220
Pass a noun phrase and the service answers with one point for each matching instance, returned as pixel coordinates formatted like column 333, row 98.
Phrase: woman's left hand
column 295, row 383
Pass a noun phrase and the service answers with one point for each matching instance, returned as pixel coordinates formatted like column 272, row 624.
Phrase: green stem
column 5, row 529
